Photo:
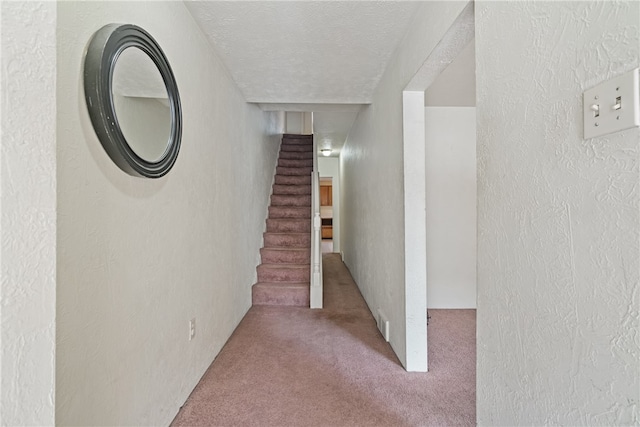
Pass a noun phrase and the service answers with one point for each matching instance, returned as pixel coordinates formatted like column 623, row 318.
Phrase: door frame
column 461, row 32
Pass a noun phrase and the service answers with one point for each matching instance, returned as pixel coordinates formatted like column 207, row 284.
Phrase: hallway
column 291, row 366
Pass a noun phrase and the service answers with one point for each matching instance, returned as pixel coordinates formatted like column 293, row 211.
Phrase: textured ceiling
column 304, row 51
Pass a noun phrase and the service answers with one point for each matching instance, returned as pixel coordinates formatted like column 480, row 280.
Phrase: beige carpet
column 291, row 366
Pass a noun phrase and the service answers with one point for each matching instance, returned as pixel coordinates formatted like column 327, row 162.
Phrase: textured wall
column 28, row 223
column 450, row 174
column 138, row 258
column 372, row 175
column 558, row 292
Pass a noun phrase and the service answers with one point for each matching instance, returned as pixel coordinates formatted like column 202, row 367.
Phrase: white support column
column 415, row 242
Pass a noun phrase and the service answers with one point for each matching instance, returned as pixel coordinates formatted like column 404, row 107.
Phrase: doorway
column 457, row 37
column 326, row 214
column 450, row 185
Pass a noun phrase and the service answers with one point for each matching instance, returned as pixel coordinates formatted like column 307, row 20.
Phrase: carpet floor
column 292, row 366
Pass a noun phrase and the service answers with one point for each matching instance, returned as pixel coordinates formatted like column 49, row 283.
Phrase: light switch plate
column 613, row 105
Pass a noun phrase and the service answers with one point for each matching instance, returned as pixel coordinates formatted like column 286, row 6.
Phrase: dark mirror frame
column 103, row 51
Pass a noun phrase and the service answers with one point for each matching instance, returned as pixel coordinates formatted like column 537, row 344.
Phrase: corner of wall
column 28, row 213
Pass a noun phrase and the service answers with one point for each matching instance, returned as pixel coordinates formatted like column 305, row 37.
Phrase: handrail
column 315, row 291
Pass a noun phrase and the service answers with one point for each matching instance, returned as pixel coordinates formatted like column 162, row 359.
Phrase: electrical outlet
column 192, row 329
column 613, row 105
column 383, row 325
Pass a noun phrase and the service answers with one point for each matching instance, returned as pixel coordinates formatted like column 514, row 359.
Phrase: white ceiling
column 325, row 57
column 313, row 52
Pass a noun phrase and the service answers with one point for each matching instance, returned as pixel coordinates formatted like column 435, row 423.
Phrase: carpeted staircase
column 283, row 276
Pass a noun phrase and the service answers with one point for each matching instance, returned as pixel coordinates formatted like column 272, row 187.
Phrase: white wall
column 307, row 123
column 329, row 167
column 450, row 151
column 295, row 122
column 372, row 176
column 456, row 85
column 299, row 123
column 138, row 258
column 558, row 218
column 28, row 215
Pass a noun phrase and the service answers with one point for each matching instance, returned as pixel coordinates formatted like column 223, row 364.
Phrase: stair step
column 296, row 163
column 306, row 148
column 287, row 240
column 283, row 273
column 290, row 200
column 293, row 171
column 279, row 225
column 293, row 179
column 297, row 141
column 285, row 255
column 297, row 136
column 292, row 189
column 299, row 212
column 287, row 294
column 296, row 154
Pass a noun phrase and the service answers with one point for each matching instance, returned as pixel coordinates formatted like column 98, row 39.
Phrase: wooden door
column 326, row 196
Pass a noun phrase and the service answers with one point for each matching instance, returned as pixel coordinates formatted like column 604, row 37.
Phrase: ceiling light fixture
column 326, row 152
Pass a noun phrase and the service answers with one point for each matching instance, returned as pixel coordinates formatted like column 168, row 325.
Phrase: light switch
column 613, row 105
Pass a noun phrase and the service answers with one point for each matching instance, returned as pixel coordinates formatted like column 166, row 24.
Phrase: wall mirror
column 133, row 100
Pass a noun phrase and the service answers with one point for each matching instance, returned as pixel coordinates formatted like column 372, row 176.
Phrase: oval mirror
column 141, row 104
column 133, row 100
